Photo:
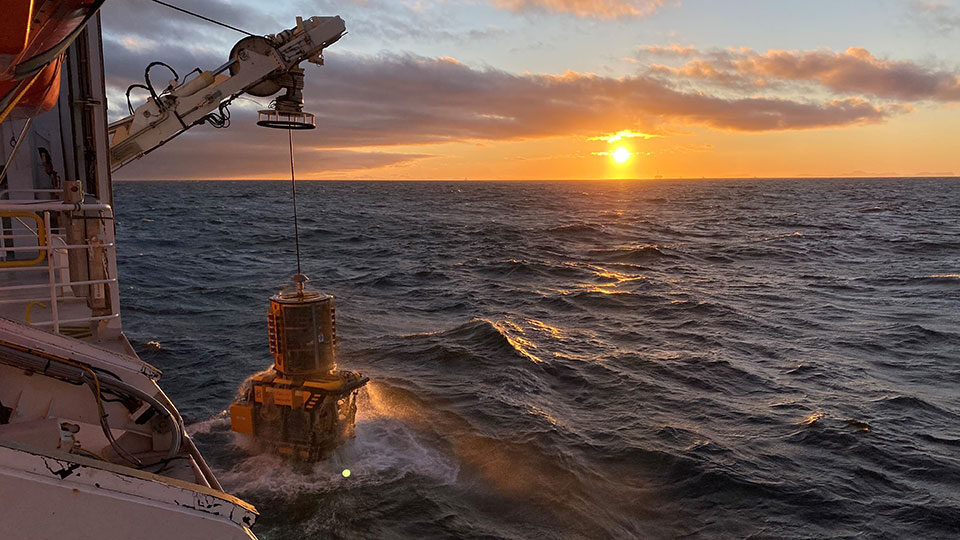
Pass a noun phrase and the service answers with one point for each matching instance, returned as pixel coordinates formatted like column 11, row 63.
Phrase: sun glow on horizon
column 621, row 155
column 625, row 134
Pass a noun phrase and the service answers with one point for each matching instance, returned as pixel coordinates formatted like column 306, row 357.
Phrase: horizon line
column 647, row 179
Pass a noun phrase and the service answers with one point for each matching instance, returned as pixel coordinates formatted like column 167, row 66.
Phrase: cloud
column 248, row 151
column 406, row 99
column 366, row 104
column 143, row 19
column 373, row 22
column 371, row 102
column 852, row 72
column 942, row 17
column 625, row 134
column 599, row 9
column 402, row 99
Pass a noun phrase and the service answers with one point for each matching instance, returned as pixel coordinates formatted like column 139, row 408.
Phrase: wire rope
column 293, row 188
column 197, row 15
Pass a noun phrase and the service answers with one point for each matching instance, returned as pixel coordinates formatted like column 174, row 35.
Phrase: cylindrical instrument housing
column 302, row 332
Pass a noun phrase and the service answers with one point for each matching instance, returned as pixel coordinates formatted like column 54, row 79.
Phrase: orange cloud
column 364, row 104
column 625, row 134
column 601, row 9
column 402, row 100
column 251, row 153
column 854, row 71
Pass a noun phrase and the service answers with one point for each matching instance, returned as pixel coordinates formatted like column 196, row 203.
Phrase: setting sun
column 621, row 155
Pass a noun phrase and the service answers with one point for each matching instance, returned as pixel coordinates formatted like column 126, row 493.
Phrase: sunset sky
column 556, row 89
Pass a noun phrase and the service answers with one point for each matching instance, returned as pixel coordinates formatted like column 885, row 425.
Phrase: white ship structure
column 90, row 446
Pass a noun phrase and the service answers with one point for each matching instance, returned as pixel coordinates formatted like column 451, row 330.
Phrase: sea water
column 649, row 359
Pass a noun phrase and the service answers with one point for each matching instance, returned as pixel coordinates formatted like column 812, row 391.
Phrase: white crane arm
column 258, row 65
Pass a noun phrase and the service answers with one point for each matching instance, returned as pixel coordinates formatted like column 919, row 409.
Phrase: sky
column 571, row 89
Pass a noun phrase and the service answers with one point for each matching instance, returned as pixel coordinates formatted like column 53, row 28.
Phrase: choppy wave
column 578, row 360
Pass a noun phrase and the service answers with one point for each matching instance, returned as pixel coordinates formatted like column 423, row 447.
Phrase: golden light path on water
column 513, row 469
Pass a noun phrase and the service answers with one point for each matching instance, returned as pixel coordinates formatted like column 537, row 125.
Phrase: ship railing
column 49, row 279
column 9, row 194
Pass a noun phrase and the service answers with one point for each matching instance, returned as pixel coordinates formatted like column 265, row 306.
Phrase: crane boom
column 259, row 65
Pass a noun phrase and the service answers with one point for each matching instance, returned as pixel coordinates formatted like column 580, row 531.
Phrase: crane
column 258, row 65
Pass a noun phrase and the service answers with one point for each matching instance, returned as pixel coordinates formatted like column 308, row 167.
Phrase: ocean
column 609, row 359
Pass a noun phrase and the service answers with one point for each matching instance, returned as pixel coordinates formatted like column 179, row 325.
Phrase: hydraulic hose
column 82, row 374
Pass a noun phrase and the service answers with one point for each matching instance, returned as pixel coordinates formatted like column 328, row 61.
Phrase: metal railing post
column 58, row 284
column 52, row 273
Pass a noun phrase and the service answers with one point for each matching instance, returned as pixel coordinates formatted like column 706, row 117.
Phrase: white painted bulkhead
column 53, row 495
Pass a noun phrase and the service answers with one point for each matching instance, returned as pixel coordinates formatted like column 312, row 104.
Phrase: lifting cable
column 225, row 118
column 293, row 187
column 197, row 15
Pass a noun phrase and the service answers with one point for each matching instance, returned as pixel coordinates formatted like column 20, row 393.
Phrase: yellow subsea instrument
column 303, row 406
